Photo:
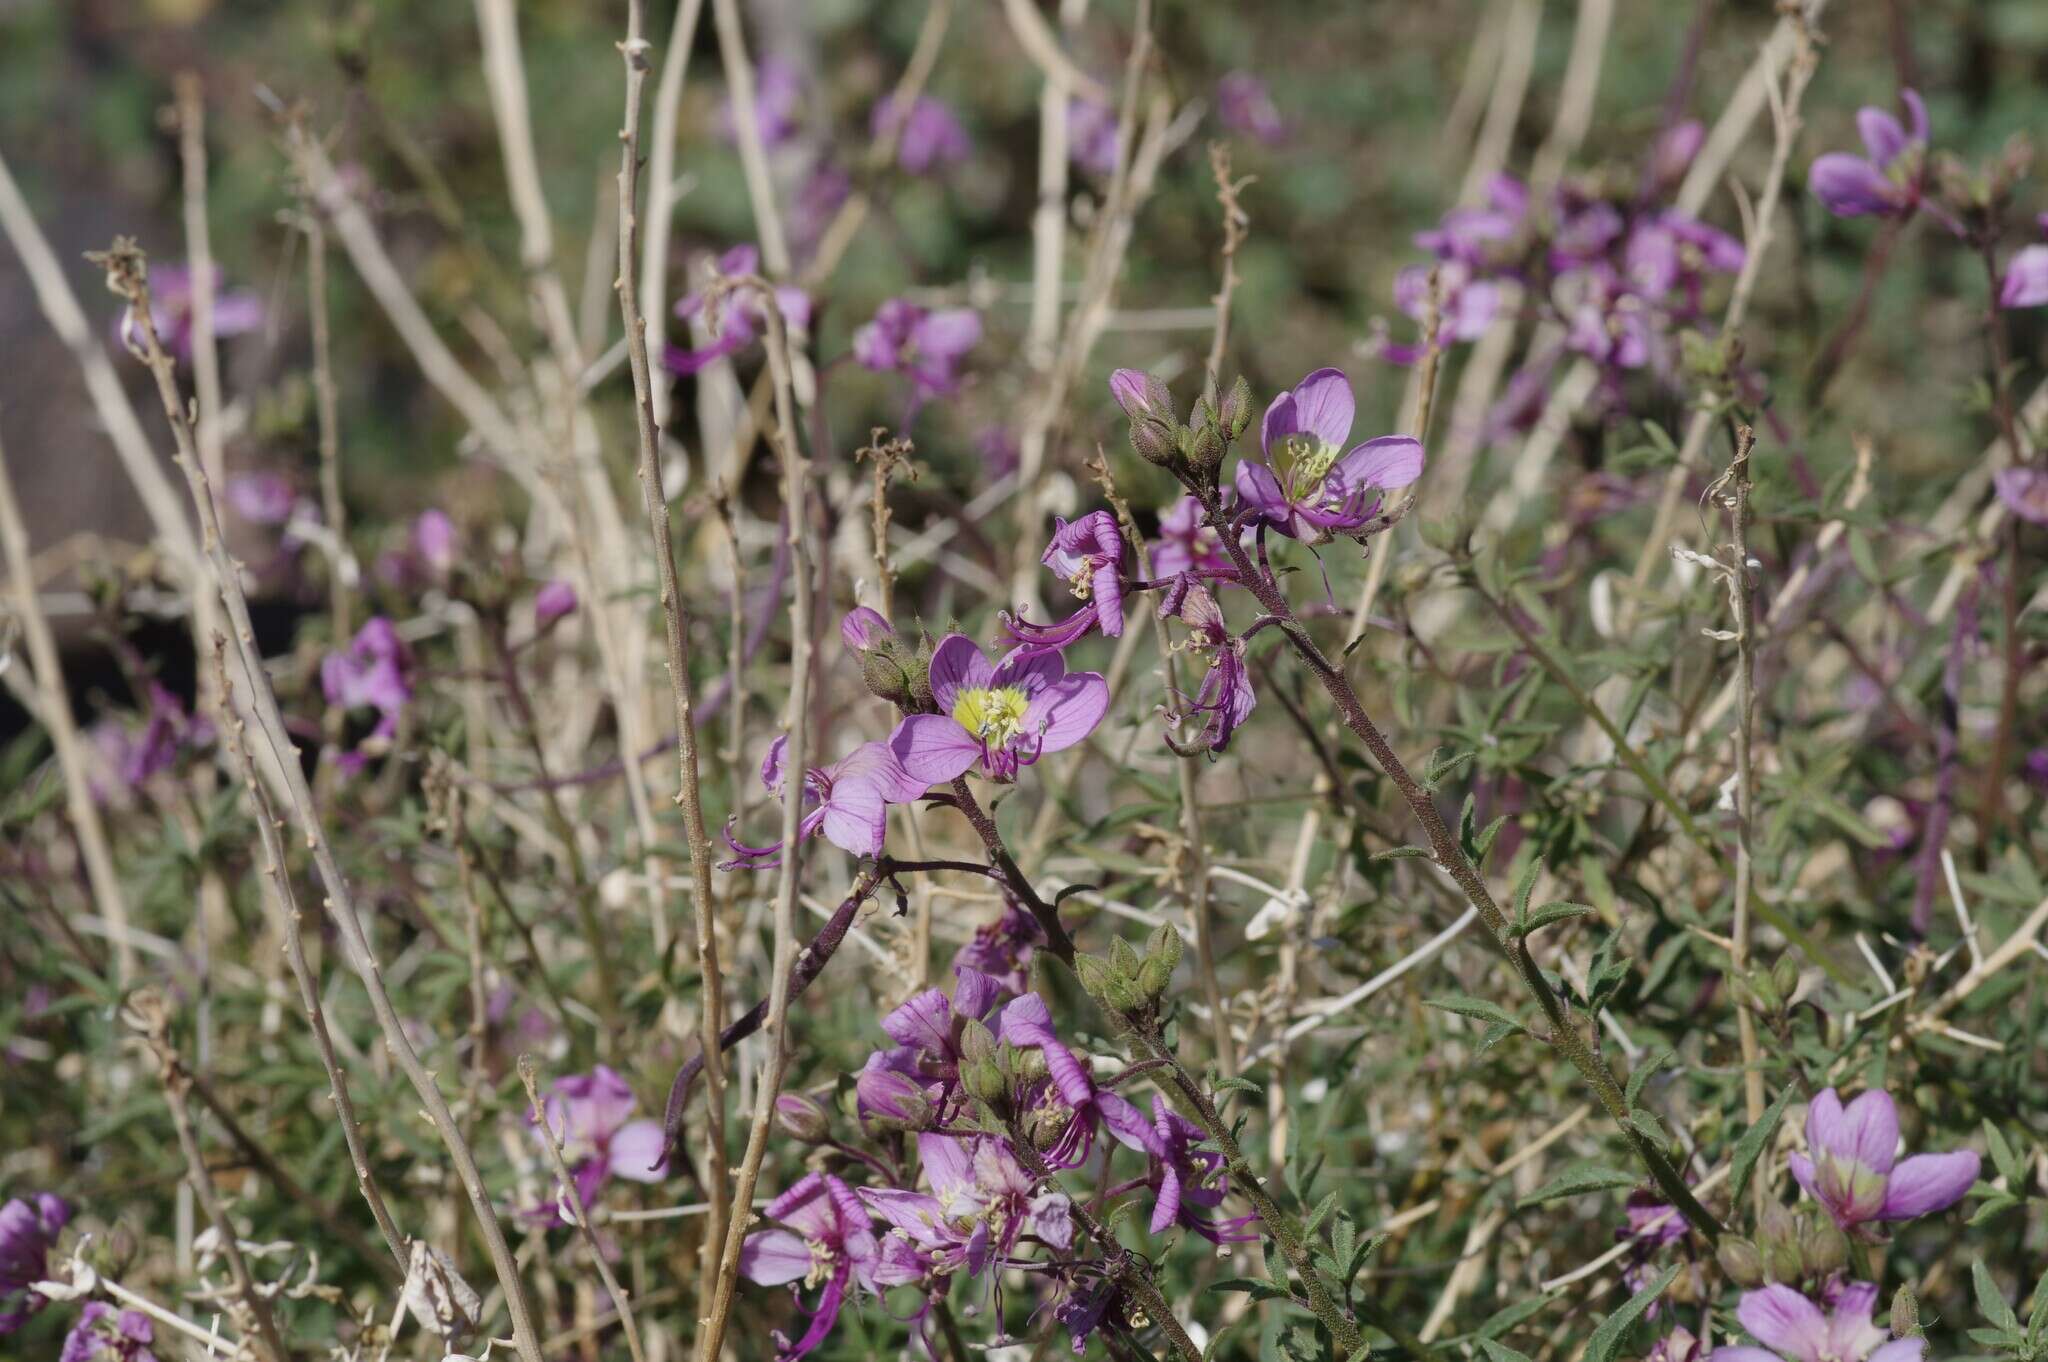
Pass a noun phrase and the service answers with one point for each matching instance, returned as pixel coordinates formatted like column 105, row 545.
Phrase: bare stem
column 675, row 620
column 1742, row 598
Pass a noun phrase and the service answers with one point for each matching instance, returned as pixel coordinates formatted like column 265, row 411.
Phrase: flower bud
column 1154, row 974
column 864, row 629
column 1905, row 1313
column 1236, row 412
column 883, row 672
column 1785, row 976
column 1824, row 1249
column 1142, row 396
column 1741, row 1261
column 976, row 1040
column 802, row 1118
column 985, row 1083
column 1154, row 441
column 1205, row 446
column 554, row 600
column 1122, row 958
column 920, row 672
column 1028, row 1065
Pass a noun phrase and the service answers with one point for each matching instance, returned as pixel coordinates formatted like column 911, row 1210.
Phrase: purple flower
column 1187, row 1181
column 28, row 1231
column 1092, row 135
column 1003, row 948
column 1089, row 554
column 929, row 139
column 1467, row 305
column 1061, row 1110
column 133, row 755
column 554, row 599
column 433, row 539
column 1476, row 235
column 1585, row 229
column 740, row 315
column 925, row 347
column 2024, row 492
column 1186, row 544
column 1793, row 1329
column 1671, row 251
column 103, row 1336
column 1242, row 105
column 1652, row 1222
column 823, row 1237
column 1304, row 488
column 912, row 1083
column 982, row 1201
column 374, row 672
column 1851, row 1169
column 1671, row 155
column 2026, row 278
column 1607, row 323
column 819, row 196
column 847, row 801
column 1887, row 182
column 863, row 628
column 235, row 312
column 1226, row 693
column 591, row 1115
column 778, row 98
column 262, row 498
column 1004, row 716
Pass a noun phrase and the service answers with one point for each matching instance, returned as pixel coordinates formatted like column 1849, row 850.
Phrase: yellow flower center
column 993, row 714
column 1307, row 459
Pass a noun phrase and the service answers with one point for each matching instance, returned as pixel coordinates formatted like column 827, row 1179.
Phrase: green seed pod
column 1906, row 1313
column 1741, row 1261
column 1785, row 976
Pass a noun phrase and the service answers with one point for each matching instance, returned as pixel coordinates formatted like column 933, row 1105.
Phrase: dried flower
column 846, row 800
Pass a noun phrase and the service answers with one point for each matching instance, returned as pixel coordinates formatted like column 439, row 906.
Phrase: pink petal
column 951, row 332
column 635, row 1152
column 1786, row 1322
column 1167, row 1208
column 1871, row 1123
column 933, row 748
column 1882, row 136
column 1390, row 461
column 774, row 1257
column 1743, row 1354
column 956, row 663
column 805, row 1207
column 1901, row 1350
column 857, row 818
column 1128, row 1125
column 948, row 1163
column 1927, row 1183
column 1070, row 709
column 917, row 1215
column 924, row 1021
column 1324, row 407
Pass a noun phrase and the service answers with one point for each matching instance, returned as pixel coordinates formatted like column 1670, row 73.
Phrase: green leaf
column 2009, row 1165
column 1658, row 1059
column 1254, row 1287
column 1223, row 1085
column 1343, row 1243
column 1750, row 1147
column 1500, row 1352
column 1509, row 1317
column 1646, row 1125
column 1477, row 1008
column 1404, row 853
column 1990, row 1300
column 1321, row 1212
column 1998, row 1205
column 1524, row 887
column 1437, row 770
column 1549, row 914
column 1579, row 1180
column 1607, row 1339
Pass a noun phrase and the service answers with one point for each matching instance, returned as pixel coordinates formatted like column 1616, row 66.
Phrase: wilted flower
column 1850, row 1168
column 1004, row 716
column 925, row 347
column 929, row 138
column 1243, row 105
column 2026, row 278
column 1092, row 135
column 101, row 1335
column 1794, row 1329
column 2024, row 492
column 1003, row 948
column 235, row 311
column 740, row 315
column 847, row 800
column 1226, row 693
column 822, row 1236
column 778, row 97
column 373, row 672
column 1304, row 488
column 28, row 1231
column 554, row 599
column 1061, row 1110
column 1089, row 554
column 1887, row 182
column 591, row 1115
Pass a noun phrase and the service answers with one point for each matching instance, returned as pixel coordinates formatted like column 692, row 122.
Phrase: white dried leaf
column 437, row 1296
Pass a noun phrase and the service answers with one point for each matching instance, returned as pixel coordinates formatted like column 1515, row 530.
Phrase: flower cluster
column 28, row 1231
column 374, row 673
column 996, row 1111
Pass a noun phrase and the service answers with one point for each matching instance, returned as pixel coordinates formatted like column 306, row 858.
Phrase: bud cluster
column 891, row 669
column 1126, row 983
column 1193, row 451
column 1789, row 1247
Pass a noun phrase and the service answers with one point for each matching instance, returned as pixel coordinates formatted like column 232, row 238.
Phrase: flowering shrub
column 1509, row 831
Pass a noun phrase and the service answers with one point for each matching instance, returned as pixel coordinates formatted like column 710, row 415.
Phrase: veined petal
column 774, row 1257
column 956, row 663
column 1927, row 1183
column 1324, row 407
column 1871, row 1127
column 1786, row 1322
column 1129, row 1125
column 1389, row 462
column 875, row 765
column 1069, row 709
column 1257, row 487
column 924, row 1021
column 856, row 817
column 948, row 1164
column 1166, row 1209
column 933, row 748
